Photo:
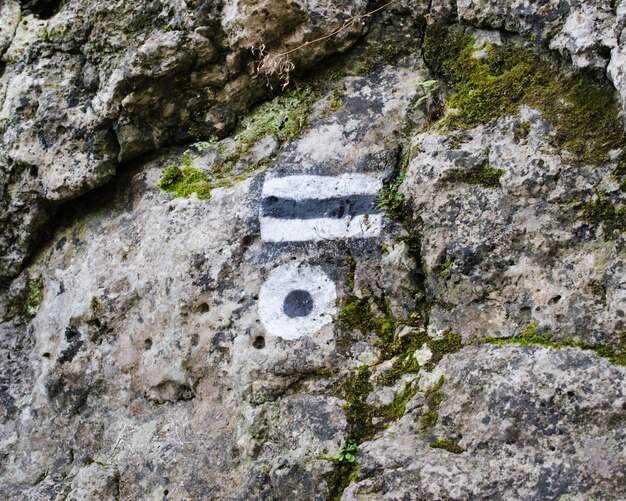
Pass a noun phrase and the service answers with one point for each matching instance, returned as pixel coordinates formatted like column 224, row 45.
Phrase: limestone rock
column 505, row 256
column 211, row 289
column 513, row 446
column 100, row 83
column 582, row 30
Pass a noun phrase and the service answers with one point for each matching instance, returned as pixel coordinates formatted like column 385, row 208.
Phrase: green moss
column 356, row 313
column 397, row 408
column 531, row 336
column 96, row 307
column 603, row 211
column 448, row 445
column 450, row 342
column 351, row 272
column 344, row 473
column 355, row 391
column 34, row 297
column 434, row 397
column 428, row 419
column 286, row 117
column 583, row 112
column 444, row 267
column 483, row 175
column 614, row 351
column 183, row 182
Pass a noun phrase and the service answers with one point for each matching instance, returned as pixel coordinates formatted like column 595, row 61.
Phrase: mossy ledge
column 285, row 118
column 614, row 352
column 583, row 111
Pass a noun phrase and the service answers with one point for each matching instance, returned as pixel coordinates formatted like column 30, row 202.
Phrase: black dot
column 297, row 304
column 259, row 342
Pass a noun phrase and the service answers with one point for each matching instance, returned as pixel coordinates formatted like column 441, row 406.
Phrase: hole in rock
column 43, row 9
column 147, row 344
column 203, row 308
column 248, row 240
column 259, row 342
column 554, row 300
column 46, row 355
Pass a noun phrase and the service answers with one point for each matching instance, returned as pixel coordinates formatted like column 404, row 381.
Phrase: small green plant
column 432, row 86
column 45, row 36
column 347, row 452
column 202, row 146
column 390, row 197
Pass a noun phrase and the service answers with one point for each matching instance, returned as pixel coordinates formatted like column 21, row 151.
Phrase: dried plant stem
column 281, row 65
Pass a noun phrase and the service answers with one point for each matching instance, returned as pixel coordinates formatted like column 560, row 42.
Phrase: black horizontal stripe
column 335, row 208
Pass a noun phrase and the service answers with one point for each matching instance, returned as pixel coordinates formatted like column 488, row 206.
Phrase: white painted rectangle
column 321, row 187
column 301, row 230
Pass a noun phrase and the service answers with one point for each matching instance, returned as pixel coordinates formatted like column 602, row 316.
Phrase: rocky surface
column 512, row 429
column 513, row 253
column 337, row 294
column 100, row 83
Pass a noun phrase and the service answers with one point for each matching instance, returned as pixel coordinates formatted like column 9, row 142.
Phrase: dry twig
column 281, row 65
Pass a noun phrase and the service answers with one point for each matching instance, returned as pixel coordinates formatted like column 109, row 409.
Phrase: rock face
column 100, row 83
column 513, row 253
column 340, row 293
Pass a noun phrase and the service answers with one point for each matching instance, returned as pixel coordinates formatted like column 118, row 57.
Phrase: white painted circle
column 286, row 279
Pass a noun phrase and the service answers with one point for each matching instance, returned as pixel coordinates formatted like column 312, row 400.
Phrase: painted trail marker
column 297, row 299
column 313, row 208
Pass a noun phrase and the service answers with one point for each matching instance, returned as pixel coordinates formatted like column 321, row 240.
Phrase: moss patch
column 584, row 112
column 434, row 397
column 351, row 272
column 34, row 297
column 286, row 117
column 483, row 175
column 183, row 182
column 603, row 211
column 448, row 445
column 614, row 351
